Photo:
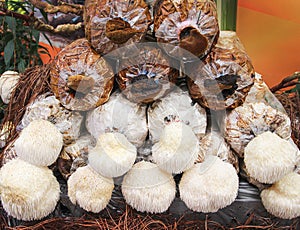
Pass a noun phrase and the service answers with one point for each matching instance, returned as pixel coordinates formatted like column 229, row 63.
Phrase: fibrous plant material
column 176, row 104
column 186, row 25
column 119, row 115
column 282, row 199
column 148, row 189
column 177, row 149
column 146, row 74
column 209, row 186
column 39, row 143
column 113, row 24
column 113, row 155
column 28, row 192
column 89, row 190
column 80, row 78
column 268, row 157
column 245, row 122
column 47, row 107
column 226, row 76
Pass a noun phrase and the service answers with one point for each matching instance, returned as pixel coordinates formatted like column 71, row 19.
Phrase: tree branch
column 62, row 7
column 286, row 82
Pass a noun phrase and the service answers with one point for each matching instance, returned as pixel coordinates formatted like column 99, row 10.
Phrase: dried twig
column 287, row 82
column 63, row 7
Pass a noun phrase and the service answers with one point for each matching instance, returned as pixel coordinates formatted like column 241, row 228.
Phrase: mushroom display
column 113, row 155
column 8, row 82
column 111, row 24
column 176, row 104
column 28, row 192
column 90, row 190
column 209, row 186
column 80, row 78
column 47, row 107
column 147, row 188
column 39, row 143
column 268, row 157
column 119, row 115
column 186, row 25
column 177, row 149
column 282, row 199
column 226, row 76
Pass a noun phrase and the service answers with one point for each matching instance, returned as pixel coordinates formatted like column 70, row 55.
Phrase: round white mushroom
column 177, row 104
column 177, row 149
column 39, row 143
column 28, row 192
column 209, row 186
column 119, row 115
column 47, row 107
column 113, row 155
column 8, row 82
column 268, row 157
column 282, row 199
column 90, row 190
column 148, row 189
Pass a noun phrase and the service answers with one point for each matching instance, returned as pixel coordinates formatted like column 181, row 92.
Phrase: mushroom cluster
column 121, row 110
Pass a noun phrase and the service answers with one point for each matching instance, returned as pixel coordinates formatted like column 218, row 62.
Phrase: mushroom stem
column 81, row 83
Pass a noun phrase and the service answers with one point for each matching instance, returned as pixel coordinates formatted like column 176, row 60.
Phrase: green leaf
column 36, row 35
column 11, row 23
column 21, row 65
column 9, row 51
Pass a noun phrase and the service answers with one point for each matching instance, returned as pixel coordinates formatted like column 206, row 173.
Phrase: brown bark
column 62, row 7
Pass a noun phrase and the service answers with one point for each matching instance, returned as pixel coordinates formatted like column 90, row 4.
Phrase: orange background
column 270, row 32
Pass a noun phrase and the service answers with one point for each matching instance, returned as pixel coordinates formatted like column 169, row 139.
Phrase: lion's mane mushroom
column 282, row 199
column 176, row 103
column 8, row 82
column 209, row 186
column 39, row 143
column 89, row 190
column 268, row 157
column 245, row 122
column 80, row 78
column 113, row 155
column 28, row 192
column 119, row 115
column 177, row 149
column 148, row 189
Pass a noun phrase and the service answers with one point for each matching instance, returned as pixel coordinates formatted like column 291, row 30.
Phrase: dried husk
column 112, row 24
column 191, row 25
column 226, row 76
column 79, row 59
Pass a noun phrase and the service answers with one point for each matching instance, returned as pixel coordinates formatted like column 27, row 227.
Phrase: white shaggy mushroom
column 147, row 188
column 209, row 186
column 39, row 143
column 113, row 155
column 8, row 82
column 28, row 192
column 282, row 199
column 177, row 149
column 89, row 190
column 268, row 157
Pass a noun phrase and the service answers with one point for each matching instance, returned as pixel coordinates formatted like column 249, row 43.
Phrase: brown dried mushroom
column 80, row 78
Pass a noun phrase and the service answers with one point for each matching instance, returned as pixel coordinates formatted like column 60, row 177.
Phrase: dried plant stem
column 63, row 7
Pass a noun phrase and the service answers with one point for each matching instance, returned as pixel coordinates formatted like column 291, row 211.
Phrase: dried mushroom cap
column 226, row 76
column 245, row 122
column 8, row 82
column 268, row 157
column 177, row 149
column 113, row 155
column 80, row 78
column 39, row 143
column 213, row 143
column 209, row 186
column 190, row 25
column 110, row 24
column 282, row 199
column 47, row 107
column 119, row 115
column 89, row 190
column 28, row 192
column 148, row 189
column 146, row 75
column 176, row 104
